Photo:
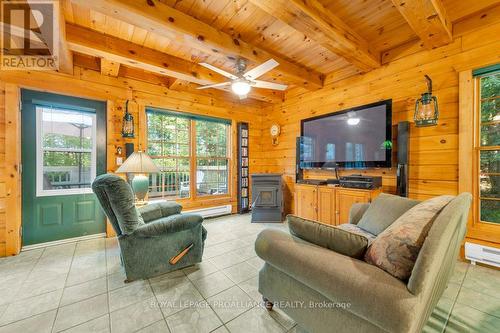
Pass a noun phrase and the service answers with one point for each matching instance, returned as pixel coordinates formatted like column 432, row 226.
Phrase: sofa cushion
column 357, row 230
column 383, row 211
column 330, row 237
column 396, row 249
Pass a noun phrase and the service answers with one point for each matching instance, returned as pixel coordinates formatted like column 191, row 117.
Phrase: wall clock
column 275, row 132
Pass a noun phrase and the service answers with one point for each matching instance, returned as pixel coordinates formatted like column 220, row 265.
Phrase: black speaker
column 298, row 170
column 129, row 149
column 403, row 156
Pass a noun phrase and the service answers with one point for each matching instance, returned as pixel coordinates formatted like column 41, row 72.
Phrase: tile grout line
column 445, row 326
column 469, row 267
column 24, row 280
column 158, row 302
column 65, row 281
column 107, row 281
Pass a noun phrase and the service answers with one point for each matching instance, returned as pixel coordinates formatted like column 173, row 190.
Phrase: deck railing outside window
column 188, row 149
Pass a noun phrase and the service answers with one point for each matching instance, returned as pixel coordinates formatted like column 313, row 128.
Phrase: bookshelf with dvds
column 243, row 176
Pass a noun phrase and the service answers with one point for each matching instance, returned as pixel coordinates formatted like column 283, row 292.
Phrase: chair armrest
column 157, row 210
column 357, row 211
column 170, row 224
column 372, row 293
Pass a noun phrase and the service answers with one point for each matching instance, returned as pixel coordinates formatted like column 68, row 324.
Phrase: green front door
column 63, row 149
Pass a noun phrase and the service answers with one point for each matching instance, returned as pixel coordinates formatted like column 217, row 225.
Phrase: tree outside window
column 488, row 147
column 204, row 161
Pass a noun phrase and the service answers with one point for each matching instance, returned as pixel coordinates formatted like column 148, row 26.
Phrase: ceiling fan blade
column 261, row 69
column 216, row 85
column 220, row 71
column 269, row 85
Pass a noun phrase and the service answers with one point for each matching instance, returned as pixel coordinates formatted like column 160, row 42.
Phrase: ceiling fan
column 242, row 82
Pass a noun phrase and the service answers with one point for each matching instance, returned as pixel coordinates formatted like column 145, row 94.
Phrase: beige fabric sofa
column 324, row 291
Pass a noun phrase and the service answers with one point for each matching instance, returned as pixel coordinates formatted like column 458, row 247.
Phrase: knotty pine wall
column 2, row 170
column 91, row 84
column 433, row 150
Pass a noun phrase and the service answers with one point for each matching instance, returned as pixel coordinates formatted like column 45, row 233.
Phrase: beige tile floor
column 79, row 287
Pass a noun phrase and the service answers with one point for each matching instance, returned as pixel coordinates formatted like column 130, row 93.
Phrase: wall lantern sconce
column 128, row 124
column 426, row 107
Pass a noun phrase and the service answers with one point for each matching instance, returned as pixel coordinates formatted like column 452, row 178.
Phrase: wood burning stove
column 267, row 197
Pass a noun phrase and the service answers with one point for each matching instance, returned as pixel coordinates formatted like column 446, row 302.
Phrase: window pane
column 211, row 176
column 490, row 110
column 212, row 168
column 490, row 186
column 211, row 139
column 490, row 211
column 490, row 135
column 168, row 135
column 173, row 181
column 66, row 129
column 63, row 170
column 154, row 148
column 67, row 145
column 490, row 86
column 490, row 161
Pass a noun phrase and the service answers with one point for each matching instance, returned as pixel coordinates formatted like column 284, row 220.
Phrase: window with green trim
column 191, row 152
column 488, row 146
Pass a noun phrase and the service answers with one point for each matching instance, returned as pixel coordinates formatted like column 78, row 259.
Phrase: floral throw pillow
column 396, row 249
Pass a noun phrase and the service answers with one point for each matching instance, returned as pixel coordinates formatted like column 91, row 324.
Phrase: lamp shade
column 138, row 162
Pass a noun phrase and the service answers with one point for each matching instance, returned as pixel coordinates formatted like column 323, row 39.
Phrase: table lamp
column 140, row 164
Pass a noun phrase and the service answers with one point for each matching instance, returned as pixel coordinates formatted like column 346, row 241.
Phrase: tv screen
column 356, row 138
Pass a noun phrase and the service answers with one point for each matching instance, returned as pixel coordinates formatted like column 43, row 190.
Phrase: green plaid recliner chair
column 151, row 236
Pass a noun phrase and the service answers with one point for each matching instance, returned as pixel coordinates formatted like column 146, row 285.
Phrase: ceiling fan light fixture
column 240, row 87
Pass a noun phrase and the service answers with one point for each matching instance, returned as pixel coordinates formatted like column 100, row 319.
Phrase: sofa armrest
column 170, row 224
column 372, row 293
column 157, row 210
column 357, row 211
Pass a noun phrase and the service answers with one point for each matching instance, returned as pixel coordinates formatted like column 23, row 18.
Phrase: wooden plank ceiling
column 310, row 38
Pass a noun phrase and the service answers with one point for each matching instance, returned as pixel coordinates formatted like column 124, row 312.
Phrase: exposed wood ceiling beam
column 162, row 19
column 140, row 75
column 65, row 55
column 96, row 44
column 428, row 19
column 93, row 63
column 177, row 84
column 109, row 67
column 311, row 18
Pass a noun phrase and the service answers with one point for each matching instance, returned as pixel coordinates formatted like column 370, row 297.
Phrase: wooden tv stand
column 328, row 204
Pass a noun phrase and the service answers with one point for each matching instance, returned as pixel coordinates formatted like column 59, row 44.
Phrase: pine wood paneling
column 2, row 170
column 92, row 84
column 12, row 170
column 433, row 150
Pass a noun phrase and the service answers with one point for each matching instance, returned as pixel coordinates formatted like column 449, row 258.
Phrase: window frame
column 193, row 166
column 40, row 192
column 477, row 149
column 228, row 158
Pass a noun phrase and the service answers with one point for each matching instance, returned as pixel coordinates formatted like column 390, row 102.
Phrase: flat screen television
column 356, row 138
